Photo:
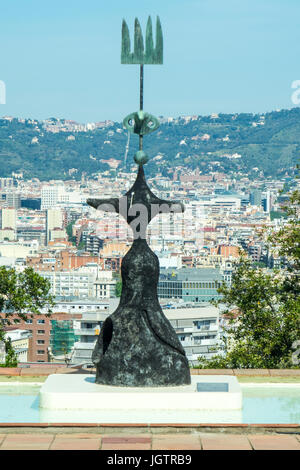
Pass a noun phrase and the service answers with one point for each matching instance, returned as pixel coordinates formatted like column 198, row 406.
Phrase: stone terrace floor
column 145, row 441
column 212, row 437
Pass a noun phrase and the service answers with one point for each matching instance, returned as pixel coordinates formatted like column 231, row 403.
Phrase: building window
column 41, row 332
column 29, row 321
column 41, row 351
column 40, row 341
column 40, row 322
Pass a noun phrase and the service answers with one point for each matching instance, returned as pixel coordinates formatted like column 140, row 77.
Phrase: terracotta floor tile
column 136, row 442
column 219, row 441
column 79, row 435
column 126, row 446
column 125, row 439
column 73, row 443
column 274, row 442
column 27, row 441
column 176, row 441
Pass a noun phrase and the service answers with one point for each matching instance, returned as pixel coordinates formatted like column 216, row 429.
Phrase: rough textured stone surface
column 137, row 346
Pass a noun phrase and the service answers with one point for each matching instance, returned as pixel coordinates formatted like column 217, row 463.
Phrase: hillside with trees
column 245, row 143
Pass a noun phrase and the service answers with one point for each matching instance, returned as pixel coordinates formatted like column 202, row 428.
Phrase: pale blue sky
column 62, row 58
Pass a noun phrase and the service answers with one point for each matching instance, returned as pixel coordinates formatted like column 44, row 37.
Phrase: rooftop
column 178, row 313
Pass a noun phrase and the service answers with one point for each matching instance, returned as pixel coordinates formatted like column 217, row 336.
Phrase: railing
column 86, row 331
column 78, row 346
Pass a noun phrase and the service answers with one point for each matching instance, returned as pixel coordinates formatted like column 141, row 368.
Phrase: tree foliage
column 21, row 295
column 24, row 293
column 270, row 142
column 263, row 307
column 119, row 288
column 11, row 359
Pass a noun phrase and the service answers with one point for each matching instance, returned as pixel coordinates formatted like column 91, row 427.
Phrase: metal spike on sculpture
column 137, row 346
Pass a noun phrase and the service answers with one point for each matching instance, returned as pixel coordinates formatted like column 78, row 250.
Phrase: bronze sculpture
column 137, row 346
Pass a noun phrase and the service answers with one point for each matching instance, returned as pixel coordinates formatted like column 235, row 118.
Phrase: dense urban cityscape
column 48, row 226
column 149, row 229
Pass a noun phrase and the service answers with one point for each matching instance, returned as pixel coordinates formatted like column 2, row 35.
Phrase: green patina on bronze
column 141, row 123
column 137, row 346
column 142, row 55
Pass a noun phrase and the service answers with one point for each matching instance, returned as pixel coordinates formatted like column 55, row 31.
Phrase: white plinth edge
column 79, row 392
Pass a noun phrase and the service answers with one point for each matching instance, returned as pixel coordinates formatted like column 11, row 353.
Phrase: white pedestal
column 80, row 397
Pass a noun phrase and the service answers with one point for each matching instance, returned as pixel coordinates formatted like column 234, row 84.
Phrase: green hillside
column 230, row 143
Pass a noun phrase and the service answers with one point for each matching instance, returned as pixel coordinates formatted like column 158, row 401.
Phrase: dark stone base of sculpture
column 137, row 346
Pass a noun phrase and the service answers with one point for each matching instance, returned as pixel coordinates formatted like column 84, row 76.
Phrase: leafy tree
column 288, row 237
column 71, row 238
column 81, row 245
column 118, row 288
column 21, row 295
column 272, row 147
column 263, row 308
column 11, row 359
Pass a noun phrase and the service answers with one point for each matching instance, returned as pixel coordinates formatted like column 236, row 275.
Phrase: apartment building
column 40, row 327
column 190, row 284
column 197, row 329
column 50, row 195
column 88, row 327
column 70, row 283
column 21, row 341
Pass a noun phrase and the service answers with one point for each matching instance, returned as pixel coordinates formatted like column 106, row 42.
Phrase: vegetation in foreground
column 22, row 295
column 263, row 307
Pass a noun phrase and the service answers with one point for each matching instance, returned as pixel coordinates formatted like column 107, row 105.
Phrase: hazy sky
column 61, row 58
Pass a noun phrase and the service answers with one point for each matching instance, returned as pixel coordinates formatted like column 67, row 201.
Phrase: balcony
column 211, row 327
column 87, row 331
column 188, row 330
column 214, row 328
column 94, row 316
column 82, row 346
column 205, row 342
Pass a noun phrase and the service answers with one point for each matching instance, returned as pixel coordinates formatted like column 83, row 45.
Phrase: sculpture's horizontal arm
column 164, row 205
column 107, row 205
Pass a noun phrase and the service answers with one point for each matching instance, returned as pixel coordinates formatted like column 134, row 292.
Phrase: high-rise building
column 255, row 198
column 54, row 220
column 8, row 219
column 266, row 201
column 7, row 183
column 13, row 200
column 93, row 244
column 51, row 195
